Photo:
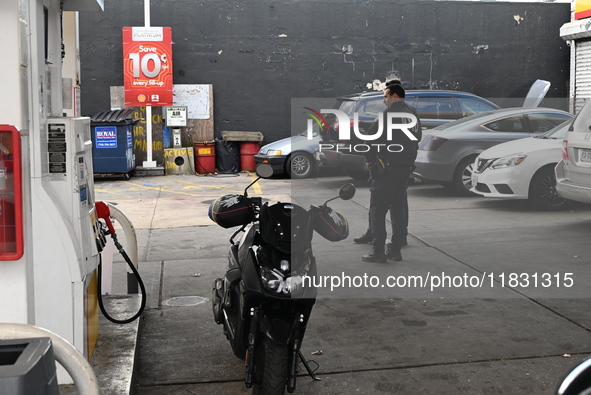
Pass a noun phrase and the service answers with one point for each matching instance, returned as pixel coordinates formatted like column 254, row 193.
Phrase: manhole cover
column 183, row 301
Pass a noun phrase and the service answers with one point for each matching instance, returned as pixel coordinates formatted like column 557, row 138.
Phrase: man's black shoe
column 374, row 256
column 366, row 238
column 396, row 255
column 389, row 245
column 392, row 253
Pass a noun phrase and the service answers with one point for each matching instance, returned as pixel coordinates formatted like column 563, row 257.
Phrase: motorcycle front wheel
column 270, row 368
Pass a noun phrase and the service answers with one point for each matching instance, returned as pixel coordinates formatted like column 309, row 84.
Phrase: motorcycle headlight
column 508, row 161
column 272, row 280
column 293, row 284
column 284, row 264
column 286, row 277
column 286, row 284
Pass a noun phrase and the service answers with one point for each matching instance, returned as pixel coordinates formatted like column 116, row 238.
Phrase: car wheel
column 300, row 165
column 542, row 191
column 356, row 175
column 463, row 176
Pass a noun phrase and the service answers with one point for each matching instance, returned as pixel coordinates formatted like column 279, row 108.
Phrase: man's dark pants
column 389, row 193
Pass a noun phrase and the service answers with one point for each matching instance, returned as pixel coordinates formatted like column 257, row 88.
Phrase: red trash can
column 205, row 157
column 248, row 150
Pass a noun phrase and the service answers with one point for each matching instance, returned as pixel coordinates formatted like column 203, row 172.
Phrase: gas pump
column 48, row 225
column 66, row 258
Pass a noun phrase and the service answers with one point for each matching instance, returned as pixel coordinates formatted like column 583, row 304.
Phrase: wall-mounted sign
column 582, row 9
column 176, row 116
column 196, row 97
column 147, row 66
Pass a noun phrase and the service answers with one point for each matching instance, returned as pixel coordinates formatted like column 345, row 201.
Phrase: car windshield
column 347, row 106
column 315, row 130
column 558, row 132
column 462, row 120
column 582, row 121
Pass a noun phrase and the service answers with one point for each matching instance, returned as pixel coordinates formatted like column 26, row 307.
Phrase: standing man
column 390, row 163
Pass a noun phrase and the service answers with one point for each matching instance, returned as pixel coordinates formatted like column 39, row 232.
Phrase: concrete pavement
column 512, row 317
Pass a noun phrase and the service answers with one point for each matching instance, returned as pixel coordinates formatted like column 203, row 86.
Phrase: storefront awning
column 576, row 29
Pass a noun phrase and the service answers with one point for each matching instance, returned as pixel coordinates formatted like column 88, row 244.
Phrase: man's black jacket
column 407, row 156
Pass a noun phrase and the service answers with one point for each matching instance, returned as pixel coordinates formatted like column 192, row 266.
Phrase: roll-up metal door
column 582, row 73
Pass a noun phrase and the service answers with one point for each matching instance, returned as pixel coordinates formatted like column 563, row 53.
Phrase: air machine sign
column 147, row 66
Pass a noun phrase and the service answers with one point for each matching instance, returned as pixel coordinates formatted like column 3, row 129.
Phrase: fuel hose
column 137, row 276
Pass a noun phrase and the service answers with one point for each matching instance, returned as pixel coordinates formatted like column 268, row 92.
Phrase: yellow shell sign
column 582, row 9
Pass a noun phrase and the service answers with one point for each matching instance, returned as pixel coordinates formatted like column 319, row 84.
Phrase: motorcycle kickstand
column 307, row 366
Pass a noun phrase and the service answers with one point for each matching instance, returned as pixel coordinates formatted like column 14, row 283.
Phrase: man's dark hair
column 395, row 81
column 396, row 88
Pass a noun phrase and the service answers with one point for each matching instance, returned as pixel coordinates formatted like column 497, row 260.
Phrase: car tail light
column 565, row 149
column 432, row 143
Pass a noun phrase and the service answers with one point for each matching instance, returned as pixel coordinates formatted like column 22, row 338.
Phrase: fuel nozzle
column 103, row 212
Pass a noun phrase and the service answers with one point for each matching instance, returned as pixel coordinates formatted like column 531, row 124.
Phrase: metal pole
column 130, row 245
column 148, row 162
column 147, row 13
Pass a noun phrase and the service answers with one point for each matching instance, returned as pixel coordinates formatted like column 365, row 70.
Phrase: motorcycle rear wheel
column 270, row 368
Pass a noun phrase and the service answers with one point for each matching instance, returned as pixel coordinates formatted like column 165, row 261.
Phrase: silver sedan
column 447, row 153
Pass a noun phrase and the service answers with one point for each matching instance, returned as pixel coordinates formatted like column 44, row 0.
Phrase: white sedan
column 523, row 169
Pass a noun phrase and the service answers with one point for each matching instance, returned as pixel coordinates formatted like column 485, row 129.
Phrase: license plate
column 586, row 155
column 474, row 180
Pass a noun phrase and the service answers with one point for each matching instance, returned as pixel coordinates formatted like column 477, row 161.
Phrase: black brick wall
column 260, row 54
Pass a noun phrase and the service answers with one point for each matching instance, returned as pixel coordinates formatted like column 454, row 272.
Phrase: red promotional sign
column 147, row 66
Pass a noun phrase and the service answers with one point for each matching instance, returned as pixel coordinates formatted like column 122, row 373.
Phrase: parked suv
column 435, row 107
column 573, row 173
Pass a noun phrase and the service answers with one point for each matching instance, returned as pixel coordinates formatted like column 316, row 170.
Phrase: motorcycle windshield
column 285, row 226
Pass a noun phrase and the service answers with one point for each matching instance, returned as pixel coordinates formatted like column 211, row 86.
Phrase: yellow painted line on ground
column 256, row 186
column 100, row 190
column 216, row 187
column 192, row 185
column 165, row 189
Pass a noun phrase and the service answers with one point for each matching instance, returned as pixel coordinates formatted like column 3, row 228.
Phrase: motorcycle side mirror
column 578, row 381
column 264, row 170
column 347, row 191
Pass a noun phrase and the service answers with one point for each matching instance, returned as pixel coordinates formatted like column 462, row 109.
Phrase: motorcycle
column 577, row 381
column 264, row 301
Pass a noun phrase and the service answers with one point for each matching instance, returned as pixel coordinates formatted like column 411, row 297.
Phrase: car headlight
column 508, row 161
column 274, row 152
